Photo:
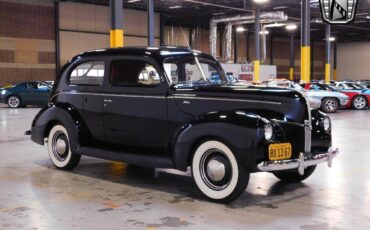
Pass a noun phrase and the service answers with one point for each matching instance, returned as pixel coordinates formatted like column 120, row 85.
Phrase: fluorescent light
column 332, row 39
column 280, row 7
column 240, row 29
column 132, row 1
column 260, row 1
column 175, row 7
column 291, row 27
column 368, row 17
column 264, row 32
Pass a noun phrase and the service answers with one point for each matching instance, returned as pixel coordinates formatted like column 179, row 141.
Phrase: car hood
column 268, row 102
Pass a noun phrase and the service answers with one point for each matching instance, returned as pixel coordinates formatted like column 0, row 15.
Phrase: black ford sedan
column 156, row 107
column 26, row 93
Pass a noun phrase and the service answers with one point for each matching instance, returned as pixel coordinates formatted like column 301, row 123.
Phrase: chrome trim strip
column 307, row 136
column 300, row 163
column 178, row 96
column 227, row 99
column 111, row 95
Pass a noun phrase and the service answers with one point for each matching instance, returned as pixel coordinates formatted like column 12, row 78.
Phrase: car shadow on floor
column 178, row 183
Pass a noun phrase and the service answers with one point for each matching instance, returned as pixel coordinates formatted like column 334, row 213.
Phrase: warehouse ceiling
column 192, row 13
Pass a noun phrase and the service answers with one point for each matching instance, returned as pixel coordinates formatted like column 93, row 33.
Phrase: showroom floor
column 101, row 194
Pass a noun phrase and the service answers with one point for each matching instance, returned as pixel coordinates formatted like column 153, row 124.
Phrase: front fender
column 241, row 131
column 64, row 115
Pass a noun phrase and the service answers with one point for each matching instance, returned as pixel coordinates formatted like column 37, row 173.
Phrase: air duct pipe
column 273, row 16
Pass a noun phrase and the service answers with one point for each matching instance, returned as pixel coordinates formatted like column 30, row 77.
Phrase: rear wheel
column 329, row 105
column 59, row 149
column 14, row 101
column 359, row 102
column 292, row 176
column 217, row 172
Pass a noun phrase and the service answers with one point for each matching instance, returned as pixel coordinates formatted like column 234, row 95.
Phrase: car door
column 85, row 83
column 135, row 103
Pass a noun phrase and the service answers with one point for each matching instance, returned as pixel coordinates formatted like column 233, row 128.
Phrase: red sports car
column 359, row 97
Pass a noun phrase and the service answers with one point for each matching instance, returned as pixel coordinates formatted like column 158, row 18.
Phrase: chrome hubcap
column 215, row 169
column 13, row 102
column 330, row 105
column 60, row 146
column 360, row 103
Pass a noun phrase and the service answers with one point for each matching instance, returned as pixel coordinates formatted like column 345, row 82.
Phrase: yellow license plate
column 280, row 151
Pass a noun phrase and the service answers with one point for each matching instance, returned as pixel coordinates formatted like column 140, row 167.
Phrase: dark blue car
column 26, row 93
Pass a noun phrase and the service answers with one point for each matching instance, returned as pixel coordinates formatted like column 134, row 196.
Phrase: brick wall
column 27, row 42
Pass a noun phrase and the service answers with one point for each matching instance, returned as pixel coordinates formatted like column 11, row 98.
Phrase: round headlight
column 326, row 123
column 268, row 132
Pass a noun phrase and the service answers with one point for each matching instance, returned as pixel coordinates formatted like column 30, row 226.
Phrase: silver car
column 330, row 100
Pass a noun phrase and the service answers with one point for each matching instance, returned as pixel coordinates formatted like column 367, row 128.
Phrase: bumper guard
column 300, row 163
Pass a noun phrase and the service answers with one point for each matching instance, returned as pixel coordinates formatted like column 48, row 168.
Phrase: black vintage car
column 156, row 107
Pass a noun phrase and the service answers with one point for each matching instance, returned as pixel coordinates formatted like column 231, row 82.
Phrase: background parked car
column 331, row 99
column 364, row 83
column 26, row 93
column 359, row 96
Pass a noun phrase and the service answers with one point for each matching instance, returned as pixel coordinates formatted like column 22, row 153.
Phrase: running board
column 146, row 160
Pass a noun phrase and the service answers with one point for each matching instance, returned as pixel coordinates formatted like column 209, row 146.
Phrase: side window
column 171, row 71
column 133, row 73
column 88, row 73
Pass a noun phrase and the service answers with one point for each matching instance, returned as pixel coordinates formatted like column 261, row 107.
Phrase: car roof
column 161, row 52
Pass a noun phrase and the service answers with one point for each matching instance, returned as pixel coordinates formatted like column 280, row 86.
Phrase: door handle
column 108, row 101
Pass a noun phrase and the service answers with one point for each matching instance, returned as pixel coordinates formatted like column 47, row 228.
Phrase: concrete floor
column 101, row 194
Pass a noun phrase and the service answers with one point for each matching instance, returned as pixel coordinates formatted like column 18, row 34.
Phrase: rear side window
column 133, row 73
column 88, row 73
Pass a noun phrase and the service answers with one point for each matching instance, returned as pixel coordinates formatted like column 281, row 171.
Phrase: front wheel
column 329, row 105
column 359, row 103
column 59, row 149
column 291, row 176
column 217, row 172
column 14, row 102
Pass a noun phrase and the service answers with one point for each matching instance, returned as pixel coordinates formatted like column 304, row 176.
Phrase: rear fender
column 62, row 114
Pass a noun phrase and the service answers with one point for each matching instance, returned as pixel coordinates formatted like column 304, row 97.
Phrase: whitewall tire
column 217, row 172
column 59, row 149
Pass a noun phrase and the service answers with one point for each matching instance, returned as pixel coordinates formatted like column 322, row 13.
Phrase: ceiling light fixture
column 240, row 29
column 264, row 32
column 260, row 1
column 133, row 1
column 291, row 27
column 280, row 7
column 175, row 7
column 332, row 39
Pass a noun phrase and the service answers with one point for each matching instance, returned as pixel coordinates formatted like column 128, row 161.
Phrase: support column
column 292, row 59
column 57, row 38
column 236, row 46
column 162, row 30
column 335, row 62
column 305, row 41
column 248, row 47
column 257, row 42
column 271, row 50
column 116, row 32
column 150, row 22
column 327, row 63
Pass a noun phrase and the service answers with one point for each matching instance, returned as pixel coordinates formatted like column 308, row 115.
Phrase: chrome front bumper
column 300, row 163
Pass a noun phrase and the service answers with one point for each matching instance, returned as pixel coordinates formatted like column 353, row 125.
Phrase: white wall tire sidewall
column 213, row 194
column 56, row 162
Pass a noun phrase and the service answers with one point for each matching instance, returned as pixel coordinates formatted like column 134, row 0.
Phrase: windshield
column 192, row 71
column 352, row 86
